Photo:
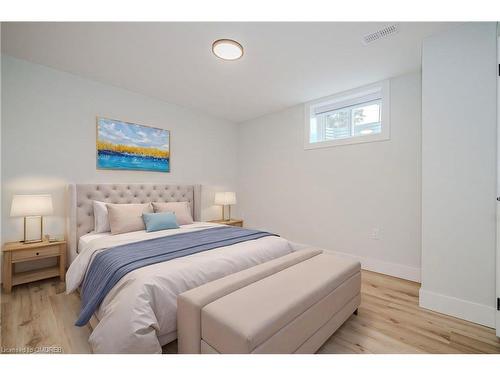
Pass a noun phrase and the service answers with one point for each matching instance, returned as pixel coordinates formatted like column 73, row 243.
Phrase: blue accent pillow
column 159, row 221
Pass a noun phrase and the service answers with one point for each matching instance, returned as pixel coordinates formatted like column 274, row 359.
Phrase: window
column 356, row 116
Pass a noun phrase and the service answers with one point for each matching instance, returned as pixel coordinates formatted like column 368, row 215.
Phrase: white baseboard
column 471, row 311
column 392, row 269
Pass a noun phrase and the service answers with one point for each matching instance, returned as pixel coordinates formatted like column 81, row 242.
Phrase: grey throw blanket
column 109, row 266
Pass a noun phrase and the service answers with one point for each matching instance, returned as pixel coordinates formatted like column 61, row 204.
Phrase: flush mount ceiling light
column 227, row 49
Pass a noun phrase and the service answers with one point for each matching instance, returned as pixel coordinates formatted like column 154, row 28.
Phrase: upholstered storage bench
column 291, row 304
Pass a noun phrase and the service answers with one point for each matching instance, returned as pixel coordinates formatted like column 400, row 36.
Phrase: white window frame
column 348, row 98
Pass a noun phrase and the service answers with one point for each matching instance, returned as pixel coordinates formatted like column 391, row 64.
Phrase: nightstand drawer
column 43, row 252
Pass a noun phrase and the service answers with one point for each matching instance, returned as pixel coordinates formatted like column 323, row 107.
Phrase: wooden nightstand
column 18, row 252
column 232, row 222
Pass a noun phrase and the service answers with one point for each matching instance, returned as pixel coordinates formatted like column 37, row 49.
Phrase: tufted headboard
column 81, row 212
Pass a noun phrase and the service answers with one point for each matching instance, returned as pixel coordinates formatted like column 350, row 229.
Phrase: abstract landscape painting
column 124, row 145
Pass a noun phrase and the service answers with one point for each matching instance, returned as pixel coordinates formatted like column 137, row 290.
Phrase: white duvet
column 139, row 314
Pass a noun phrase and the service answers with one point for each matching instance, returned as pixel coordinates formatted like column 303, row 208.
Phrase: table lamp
column 31, row 206
column 225, row 198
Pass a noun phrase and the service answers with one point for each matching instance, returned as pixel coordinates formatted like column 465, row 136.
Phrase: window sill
column 348, row 141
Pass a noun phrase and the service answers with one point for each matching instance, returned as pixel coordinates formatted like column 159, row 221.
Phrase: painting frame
column 134, row 124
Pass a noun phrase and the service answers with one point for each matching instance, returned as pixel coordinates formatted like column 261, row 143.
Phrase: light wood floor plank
column 389, row 321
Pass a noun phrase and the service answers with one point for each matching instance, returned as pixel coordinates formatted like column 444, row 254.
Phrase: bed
column 138, row 315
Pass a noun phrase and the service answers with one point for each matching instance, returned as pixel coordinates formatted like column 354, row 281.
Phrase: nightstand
column 18, row 252
column 232, row 222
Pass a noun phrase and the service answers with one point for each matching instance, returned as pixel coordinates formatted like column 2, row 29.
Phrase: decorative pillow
column 125, row 218
column 159, row 221
column 182, row 211
column 101, row 220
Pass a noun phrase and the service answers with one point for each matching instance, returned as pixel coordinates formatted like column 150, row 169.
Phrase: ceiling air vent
column 379, row 34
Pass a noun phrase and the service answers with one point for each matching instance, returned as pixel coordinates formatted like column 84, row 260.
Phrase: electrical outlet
column 375, row 234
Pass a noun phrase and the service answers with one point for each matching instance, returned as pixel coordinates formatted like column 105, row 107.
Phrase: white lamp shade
column 225, row 198
column 31, row 205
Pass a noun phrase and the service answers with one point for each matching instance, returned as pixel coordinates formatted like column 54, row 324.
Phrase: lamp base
column 34, row 240
column 223, row 209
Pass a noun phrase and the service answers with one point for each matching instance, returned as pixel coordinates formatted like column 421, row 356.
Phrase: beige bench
column 291, row 304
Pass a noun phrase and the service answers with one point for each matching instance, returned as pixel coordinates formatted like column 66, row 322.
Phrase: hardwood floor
column 40, row 314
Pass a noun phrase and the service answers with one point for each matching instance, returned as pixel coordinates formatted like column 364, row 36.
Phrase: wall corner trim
column 459, row 308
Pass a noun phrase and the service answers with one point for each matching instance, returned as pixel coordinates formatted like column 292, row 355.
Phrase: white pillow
column 101, row 219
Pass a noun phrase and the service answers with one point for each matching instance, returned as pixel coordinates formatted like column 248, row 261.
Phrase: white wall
column 334, row 197
column 49, row 130
column 1, row 162
column 459, row 172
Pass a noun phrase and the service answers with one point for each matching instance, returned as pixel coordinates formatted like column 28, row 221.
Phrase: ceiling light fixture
column 227, row 49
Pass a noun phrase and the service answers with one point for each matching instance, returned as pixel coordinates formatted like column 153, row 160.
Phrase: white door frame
column 497, row 302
